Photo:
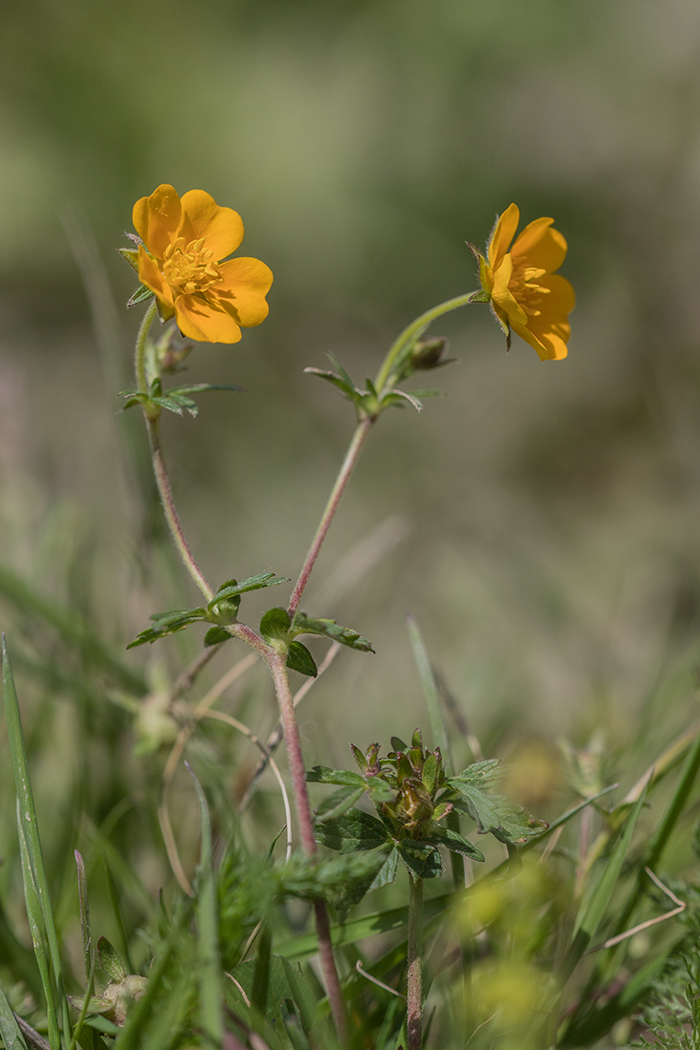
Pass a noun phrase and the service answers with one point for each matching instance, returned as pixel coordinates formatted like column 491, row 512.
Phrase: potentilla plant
column 181, row 252
column 181, row 257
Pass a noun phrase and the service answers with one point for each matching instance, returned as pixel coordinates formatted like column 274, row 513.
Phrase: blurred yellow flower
column 184, row 241
column 526, row 295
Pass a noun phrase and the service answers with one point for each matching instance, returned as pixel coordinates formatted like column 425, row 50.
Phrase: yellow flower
column 184, row 241
column 526, row 295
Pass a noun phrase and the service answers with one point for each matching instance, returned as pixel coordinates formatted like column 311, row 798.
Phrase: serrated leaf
column 496, row 815
column 421, row 858
column 488, row 771
column 326, row 775
column 347, row 389
column 338, row 801
column 274, row 625
column 353, row 831
column 168, row 623
column 110, row 960
column 453, row 841
column 387, row 873
column 379, row 790
column 232, row 588
column 400, row 397
column 300, row 659
column 198, row 388
column 216, row 635
column 304, row 624
column 176, row 403
column 142, row 294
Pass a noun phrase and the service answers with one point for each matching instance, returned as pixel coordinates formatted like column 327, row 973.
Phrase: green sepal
column 325, row 775
column 352, row 832
column 275, row 624
column 430, row 772
column 300, row 659
column 132, row 257
column 421, row 858
column 110, row 960
column 480, row 297
column 168, row 623
column 398, row 744
column 142, row 293
column 304, row 624
column 215, row 635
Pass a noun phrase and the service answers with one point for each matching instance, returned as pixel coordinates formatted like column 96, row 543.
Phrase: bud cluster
column 416, row 776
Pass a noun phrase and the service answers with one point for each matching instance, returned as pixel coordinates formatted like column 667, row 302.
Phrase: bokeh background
column 541, row 521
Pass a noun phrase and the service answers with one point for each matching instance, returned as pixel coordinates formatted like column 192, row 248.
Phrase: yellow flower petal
column 540, row 246
column 150, row 275
column 546, row 352
column 502, row 234
column 501, row 294
column 157, row 218
column 205, row 320
column 221, row 228
column 246, row 282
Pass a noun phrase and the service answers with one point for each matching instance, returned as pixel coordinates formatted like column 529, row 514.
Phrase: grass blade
column 113, row 894
column 211, row 990
column 592, row 912
column 29, row 833
column 84, row 914
column 9, row 1029
column 430, row 690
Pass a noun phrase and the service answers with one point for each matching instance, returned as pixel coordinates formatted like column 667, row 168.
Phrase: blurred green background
column 541, row 521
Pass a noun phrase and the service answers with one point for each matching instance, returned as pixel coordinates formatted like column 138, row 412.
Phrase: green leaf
column 431, row 691
column 285, row 983
column 304, row 624
column 421, row 858
column 210, row 986
column 400, row 398
column 274, row 625
column 337, row 802
column 216, row 635
column 142, row 294
column 453, row 841
column 198, row 388
column 387, row 873
column 354, row 831
column 379, row 790
column 324, row 775
column 232, row 588
column 168, row 623
column 110, row 960
column 348, row 389
column 29, row 835
column 300, row 659
column 488, row 771
column 496, row 815
column 9, row 1029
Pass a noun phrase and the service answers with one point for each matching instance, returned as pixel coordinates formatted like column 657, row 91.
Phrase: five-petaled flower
column 525, row 293
column 184, row 241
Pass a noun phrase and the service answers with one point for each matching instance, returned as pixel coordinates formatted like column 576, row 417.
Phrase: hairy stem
column 278, row 668
column 166, row 497
column 414, row 1022
column 139, row 352
column 413, row 332
column 349, row 463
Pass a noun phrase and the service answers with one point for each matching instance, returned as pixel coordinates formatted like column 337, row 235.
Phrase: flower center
column 189, row 268
column 526, row 290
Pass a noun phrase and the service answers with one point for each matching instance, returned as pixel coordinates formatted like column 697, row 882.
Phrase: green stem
column 413, row 332
column 171, row 516
column 277, row 663
column 414, row 1021
column 139, row 352
column 349, row 463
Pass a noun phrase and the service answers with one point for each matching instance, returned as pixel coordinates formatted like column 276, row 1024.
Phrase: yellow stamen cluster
column 188, row 268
